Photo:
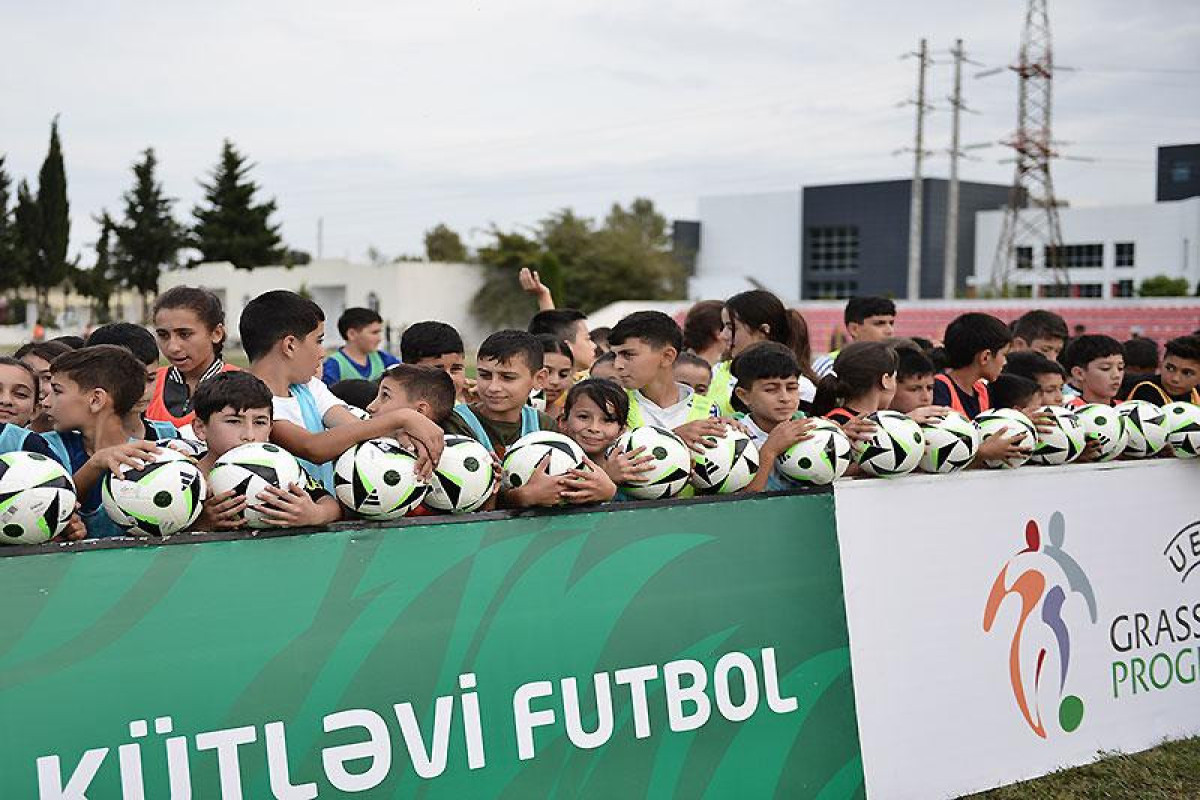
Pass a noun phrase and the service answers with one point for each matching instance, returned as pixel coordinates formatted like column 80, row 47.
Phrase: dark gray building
column 1178, row 172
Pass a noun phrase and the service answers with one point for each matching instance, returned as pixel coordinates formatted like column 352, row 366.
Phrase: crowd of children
column 106, row 403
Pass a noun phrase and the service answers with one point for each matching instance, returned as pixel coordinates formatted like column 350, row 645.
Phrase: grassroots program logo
column 1041, row 576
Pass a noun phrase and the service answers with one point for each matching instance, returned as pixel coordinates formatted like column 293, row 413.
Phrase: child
column 140, row 342
column 427, row 390
column 189, row 324
column 1095, row 366
column 702, row 328
column 1040, row 331
column 436, row 344
column 759, row 316
column 914, row 379
column 863, row 381
column 38, row 356
column 976, row 347
column 692, row 370
column 604, row 367
column 599, row 337
column 594, row 415
column 18, row 404
column 768, row 389
column 571, row 327
column 232, row 409
column 1014, row 391
column 1048, row 375
column 867, row 319
column 1179, row 376
column 360, row 356
column 558, row 361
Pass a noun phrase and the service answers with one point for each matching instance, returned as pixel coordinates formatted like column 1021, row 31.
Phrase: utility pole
column 917, row 193
column 950, row 263
column 320, row 237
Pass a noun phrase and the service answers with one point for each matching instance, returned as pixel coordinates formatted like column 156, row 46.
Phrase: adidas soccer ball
column 818, row 460
column 1145, row 428
column 896, row 447
column 161, row 498
column 464, row 477
column 727, row 467
column 1104, row 425
column 1007, row 422
column 37, row 498
column 950, row 444
column 557, row 453
column 248, row 469
column 1182, row 421
column 378, row 480
column 1063, row 443
column 672, row 462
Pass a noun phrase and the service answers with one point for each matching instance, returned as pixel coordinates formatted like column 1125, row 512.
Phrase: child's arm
column 542, row 489
column 294, row 507
column 783, row 436
column 532, row 284
column 133, row 455
column 331, row 443
column 588, row 485
column 222, row 512
column 629, row 467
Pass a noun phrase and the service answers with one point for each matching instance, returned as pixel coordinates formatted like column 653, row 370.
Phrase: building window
column 1089, row 290
column 1077, row 256
column 1022, row 291
column 1124, row 254
column 1024, row 257
column 831, row 290
column 1053, row 290
column 1123, row 288
column 373, row 302
column 833, row 249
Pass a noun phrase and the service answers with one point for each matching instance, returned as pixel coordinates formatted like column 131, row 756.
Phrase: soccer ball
column 950, row 444
column 528, row 454
column 37, row 498
column 1104, row 425
column 672, row 462
column 248, row 469
column 1145, row 428
column 896, row 447
column 728, row 467
column 819, row 460
column 1063, row 443
column 1007, row 422
column 377, row 479
column 464, row 477
column 161, row 498
column 1183, row 428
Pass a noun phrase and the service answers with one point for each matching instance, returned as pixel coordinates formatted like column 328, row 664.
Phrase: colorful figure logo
column 1041, row 576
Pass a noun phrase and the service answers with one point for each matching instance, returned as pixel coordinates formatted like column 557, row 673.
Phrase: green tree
column 99, row 282
column 500, row 301
column 230, row 225
column 1163, row 286
column 43, row 227
column 148, row 238
column 11, row 268
column 444, row 245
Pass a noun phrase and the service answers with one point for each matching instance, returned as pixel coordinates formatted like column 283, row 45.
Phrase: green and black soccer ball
column 37, row 498
column 464, row 477
column 894, row 449
column 671, row 465
column 726, row 467
column 378, row 480
column 1182, row 421
column 820, row 459
column 159, row 499
column 248, row 469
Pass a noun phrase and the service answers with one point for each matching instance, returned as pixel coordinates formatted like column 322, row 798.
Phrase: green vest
column 721, row 388
column 348, row 370
column 699, row 407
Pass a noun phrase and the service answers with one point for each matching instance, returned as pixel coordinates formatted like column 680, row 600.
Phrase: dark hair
column 912, row 362
column 353, row 319
column 801, row 345
column 970, row 334
column 758, row 308
column 1083, row 350
column 201, row 302
column 10, row 361
column 858, row 309
column 920, row 341
column 702, row 325
column 605, row 357
column 358, row 392
column 433, row 385
column 1011, row 391
column 236, row 389
column 1187, row 347
column 763, row 361
column 47, row 351
column 70, row 340
column 599, row 336
column 691, row 359
column 1030, row 363
column 653, row 327
column 1141, row 354
column 133, row 338
column 429, row 339
column 505, row 346
column 105, row 366
column 938, row 356
column 553, row 344
column 857, row 370
column 1039, row 324
column 273, row 316
column 610, row 397
column 558, row 322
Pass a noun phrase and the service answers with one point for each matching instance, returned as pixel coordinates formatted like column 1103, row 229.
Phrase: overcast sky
column 385, row 118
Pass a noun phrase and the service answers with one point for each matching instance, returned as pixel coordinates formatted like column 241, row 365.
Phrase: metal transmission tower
column 1032, row 145
column 915, row 221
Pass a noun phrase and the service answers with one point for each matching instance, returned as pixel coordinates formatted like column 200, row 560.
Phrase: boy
column 436, row 344
column 976, row 347
column 604, row 367
column 1048, row 375
column 692, row 370
column 1014, row 391
column 1041, row 331
column 914, row 379
column 1179, row 377
column 360, row 356
column 140, row 342
column 768, row 388
column 232, row 409
column 1095, row 367
column 427, row 390
column 867, row 319
column 570, row 326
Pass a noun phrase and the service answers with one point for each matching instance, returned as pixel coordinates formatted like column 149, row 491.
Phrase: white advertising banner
column 1007, row 624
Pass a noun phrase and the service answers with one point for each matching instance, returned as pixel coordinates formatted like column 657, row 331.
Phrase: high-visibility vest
column 530, row 423
column 981, row 392
column 721, row 388
column 157, row 410
column 348, row 370
column 699, row 407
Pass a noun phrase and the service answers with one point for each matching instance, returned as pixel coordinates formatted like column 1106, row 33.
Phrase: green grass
column 1170, row 771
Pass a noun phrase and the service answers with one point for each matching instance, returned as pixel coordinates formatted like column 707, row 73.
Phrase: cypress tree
column 148, row 238
column 230, row 225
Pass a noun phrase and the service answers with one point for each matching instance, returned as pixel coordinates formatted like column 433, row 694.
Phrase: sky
column 385, row 118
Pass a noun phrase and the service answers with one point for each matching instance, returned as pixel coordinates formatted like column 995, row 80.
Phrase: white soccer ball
column 950, row 444
column 1105, row 426
column 1007, row 423
column 818, row 460
column 531, row 452
column 37, row 498
column 672, row 462
column 378, row 480
column 1145, row 428
column 1182, row 421
column 727, row 467
column 1063, row 443
column 161, row 498
column 464, row 477
column 248, row 469
column 895, row 448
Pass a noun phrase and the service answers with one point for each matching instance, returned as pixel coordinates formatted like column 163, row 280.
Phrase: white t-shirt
column 757, row 434
column 671, row 417
column 288, row 408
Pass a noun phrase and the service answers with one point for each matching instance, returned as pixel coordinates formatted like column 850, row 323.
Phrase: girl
column 558, row 362
column 18, row 392
column 862, row 382
column 759, row 316
column 702, row 331
column 38, row 355
column 189, row 323
column 594, row 415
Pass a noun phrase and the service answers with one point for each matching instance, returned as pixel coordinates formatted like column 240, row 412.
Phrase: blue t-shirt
column 14, row 437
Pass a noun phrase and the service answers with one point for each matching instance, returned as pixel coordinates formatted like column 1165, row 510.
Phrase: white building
column 402, row 293
column 1109, row 251
column 748, row 242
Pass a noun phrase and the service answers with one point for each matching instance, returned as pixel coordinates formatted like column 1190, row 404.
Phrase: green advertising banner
column 688, row 650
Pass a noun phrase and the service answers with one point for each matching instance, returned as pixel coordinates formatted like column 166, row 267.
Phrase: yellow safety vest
column 699, row 407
